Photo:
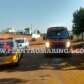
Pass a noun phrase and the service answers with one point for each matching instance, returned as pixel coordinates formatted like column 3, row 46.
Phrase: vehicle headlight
column 68, row 44
column 47, row 44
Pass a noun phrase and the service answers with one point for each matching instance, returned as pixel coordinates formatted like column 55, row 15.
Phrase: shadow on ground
column 12, row 81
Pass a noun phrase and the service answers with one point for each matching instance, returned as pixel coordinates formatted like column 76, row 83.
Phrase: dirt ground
column 38, row 69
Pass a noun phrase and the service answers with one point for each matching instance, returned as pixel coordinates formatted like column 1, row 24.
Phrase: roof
column 20, row 38
column 4, row 36
column 57, row 28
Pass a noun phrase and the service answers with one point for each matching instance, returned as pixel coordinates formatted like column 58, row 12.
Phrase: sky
column 38, row 14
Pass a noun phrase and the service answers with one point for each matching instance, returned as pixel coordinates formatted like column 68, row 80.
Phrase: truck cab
column 57, row 38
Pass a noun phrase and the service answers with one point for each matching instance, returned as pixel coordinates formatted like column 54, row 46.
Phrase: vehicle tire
column 22, row 54
column 17, row 62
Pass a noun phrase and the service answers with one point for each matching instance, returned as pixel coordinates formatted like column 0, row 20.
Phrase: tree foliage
column 78, row 21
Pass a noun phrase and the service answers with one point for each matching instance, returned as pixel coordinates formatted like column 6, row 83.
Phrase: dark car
column 58, row 41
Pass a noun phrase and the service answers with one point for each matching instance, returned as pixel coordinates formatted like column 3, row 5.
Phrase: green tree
column 78, row 22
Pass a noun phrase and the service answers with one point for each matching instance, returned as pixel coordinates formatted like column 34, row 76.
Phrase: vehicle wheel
column 16, row 64
column 17, row 61
column 22, row 54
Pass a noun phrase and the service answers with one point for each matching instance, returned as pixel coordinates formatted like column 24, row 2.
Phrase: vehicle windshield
column 6, row 44
column 4, row 47
column 20, row 41
column 58, row 34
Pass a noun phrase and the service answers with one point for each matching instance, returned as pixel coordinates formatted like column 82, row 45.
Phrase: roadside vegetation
column 78, row 25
